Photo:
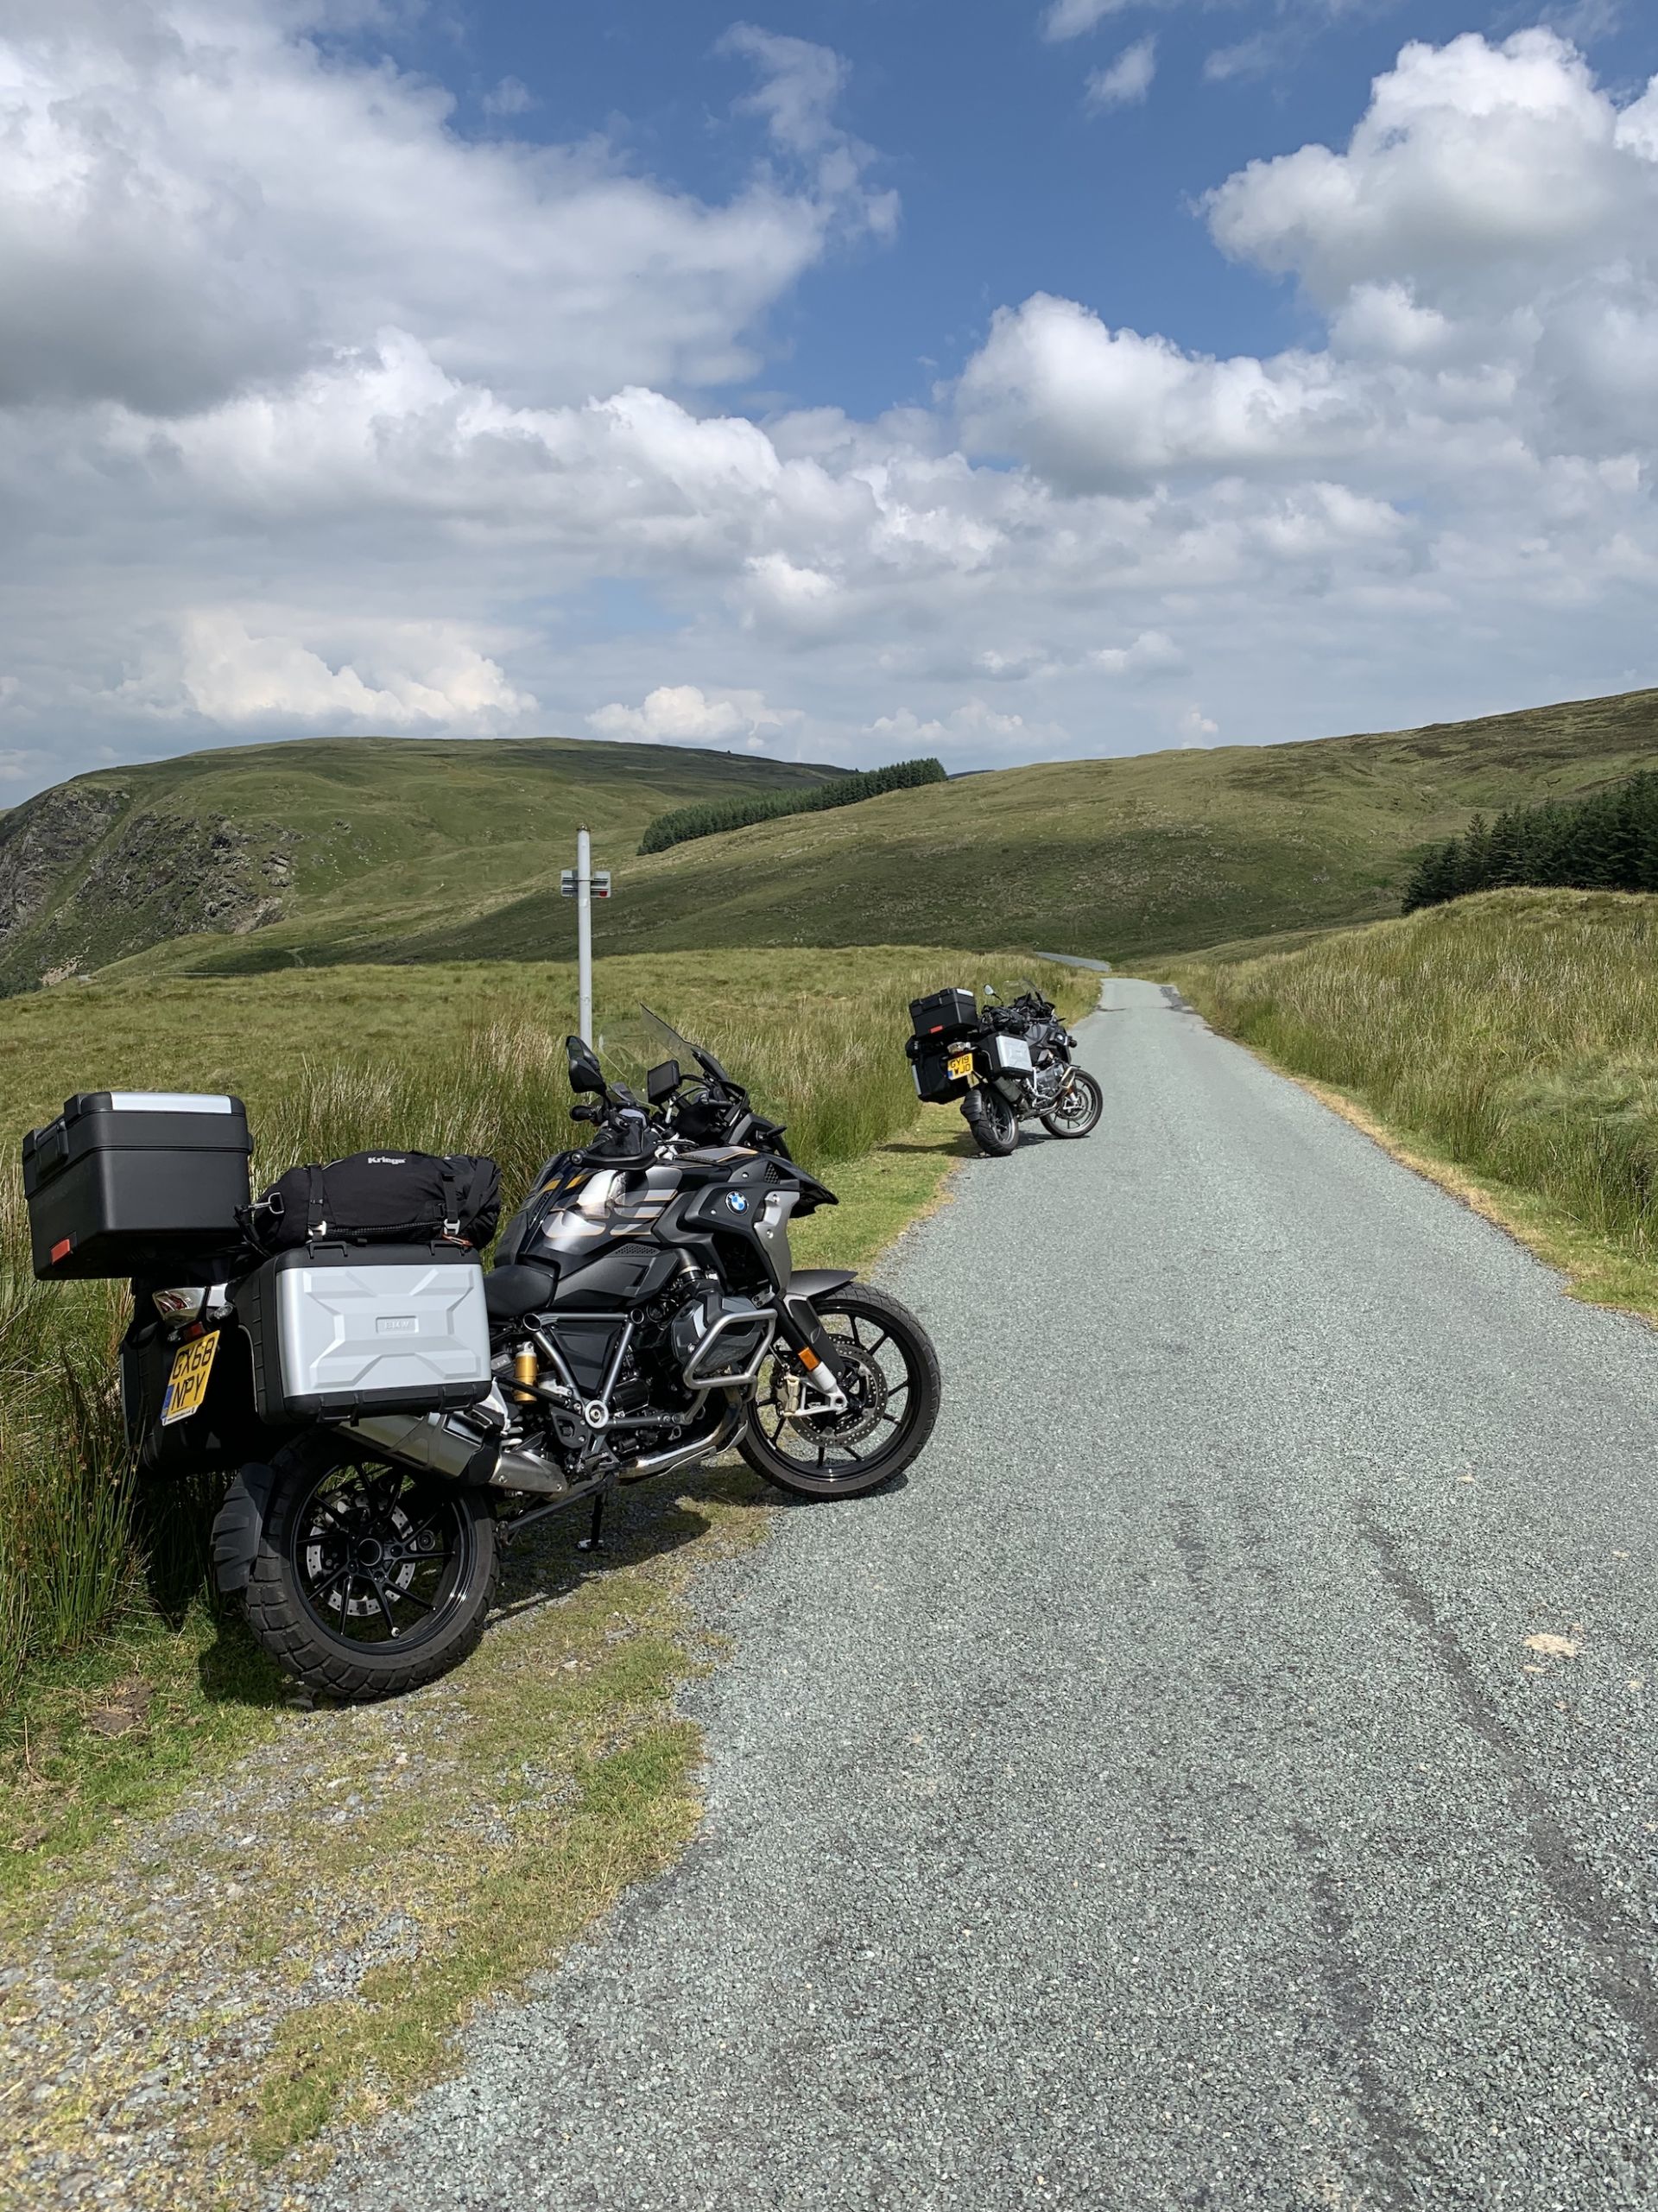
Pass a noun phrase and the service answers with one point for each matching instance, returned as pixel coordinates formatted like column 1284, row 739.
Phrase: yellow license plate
column 187, row 1385
column 960, row 1063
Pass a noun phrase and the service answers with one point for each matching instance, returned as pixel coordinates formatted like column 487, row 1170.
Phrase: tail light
column 178, row 1305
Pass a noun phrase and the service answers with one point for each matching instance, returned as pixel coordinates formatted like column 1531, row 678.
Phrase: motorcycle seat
column 511, row 1292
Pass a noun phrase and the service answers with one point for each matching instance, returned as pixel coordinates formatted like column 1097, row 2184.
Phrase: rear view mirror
column 663, row 1081
column 586, row 1073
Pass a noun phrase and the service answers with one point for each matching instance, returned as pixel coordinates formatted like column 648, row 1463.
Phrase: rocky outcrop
column 84, row 880
column 47, row 841
column 204, row 875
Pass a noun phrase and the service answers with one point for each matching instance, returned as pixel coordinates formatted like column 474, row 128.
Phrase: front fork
column 818, row 1370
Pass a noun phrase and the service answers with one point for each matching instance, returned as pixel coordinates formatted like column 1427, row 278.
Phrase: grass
column 296, row 1944
column 610, row 1796
column 1116, row 858
column 1507, row 1043
column 405, row 833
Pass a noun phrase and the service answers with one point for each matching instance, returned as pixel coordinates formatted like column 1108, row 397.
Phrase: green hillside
column 420, row 850
column 321, row 842
column 1112, row 857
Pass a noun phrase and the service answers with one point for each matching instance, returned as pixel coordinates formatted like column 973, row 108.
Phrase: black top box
column 943, row 1012
column 133, row 1182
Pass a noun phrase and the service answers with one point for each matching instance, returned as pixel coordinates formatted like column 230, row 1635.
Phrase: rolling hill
column 400, row 851
column 317, row 842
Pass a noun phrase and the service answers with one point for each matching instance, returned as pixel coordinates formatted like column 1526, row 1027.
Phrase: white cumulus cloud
column 192, row 202
column 220, row 669
column 1152, row 652
column 1127, row 80
column 316, row 414
column 682, row 713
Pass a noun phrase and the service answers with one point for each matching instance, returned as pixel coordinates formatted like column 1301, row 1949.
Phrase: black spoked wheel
column 997, row 1129
column 891, row 1379
column 1077, row 1108
column 370, row 1578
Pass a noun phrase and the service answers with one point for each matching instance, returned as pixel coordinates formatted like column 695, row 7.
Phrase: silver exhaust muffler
column 466, row 1447
column 441, row 1442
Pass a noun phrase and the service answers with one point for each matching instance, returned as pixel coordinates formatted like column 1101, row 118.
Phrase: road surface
column 1157, row 1801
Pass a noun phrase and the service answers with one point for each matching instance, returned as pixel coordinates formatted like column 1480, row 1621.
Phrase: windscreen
column 665, row 1042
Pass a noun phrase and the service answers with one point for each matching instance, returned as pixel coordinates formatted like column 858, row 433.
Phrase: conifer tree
column 1607, row 841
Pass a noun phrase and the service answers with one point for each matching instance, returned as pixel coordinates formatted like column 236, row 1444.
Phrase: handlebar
column 629, row 1129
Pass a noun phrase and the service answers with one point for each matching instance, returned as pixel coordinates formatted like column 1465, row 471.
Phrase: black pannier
column 135, row 1182
column 385, row 1197
column 944, row 1025
column 224, row 1431
column 930, row 1065
column 943, row 1013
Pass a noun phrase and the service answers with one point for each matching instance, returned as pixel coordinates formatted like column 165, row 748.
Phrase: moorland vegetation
column 420, row 850
column 1510, row 1035
column 393, row 835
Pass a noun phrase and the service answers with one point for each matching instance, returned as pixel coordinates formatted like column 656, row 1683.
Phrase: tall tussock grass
column 816, row 1038
column 1516, row 1031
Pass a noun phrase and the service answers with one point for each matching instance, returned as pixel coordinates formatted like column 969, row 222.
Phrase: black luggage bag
column 383, row 1197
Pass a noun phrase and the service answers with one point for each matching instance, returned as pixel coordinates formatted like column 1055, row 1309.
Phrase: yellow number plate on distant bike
column 187, row 1385
column 960, row 1063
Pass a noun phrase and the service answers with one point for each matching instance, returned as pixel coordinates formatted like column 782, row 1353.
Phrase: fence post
column 584, row 933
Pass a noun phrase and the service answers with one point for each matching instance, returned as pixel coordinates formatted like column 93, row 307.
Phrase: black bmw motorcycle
column 1006, row 1063
column 643, row 1315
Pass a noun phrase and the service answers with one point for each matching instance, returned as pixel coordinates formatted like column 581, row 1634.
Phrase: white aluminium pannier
column 381, row 1329
column 1009, row 1056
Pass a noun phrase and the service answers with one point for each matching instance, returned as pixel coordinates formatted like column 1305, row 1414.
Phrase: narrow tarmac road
column 1155, row 1800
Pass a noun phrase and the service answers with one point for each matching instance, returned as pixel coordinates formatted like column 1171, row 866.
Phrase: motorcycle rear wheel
column 1083, row 1095
column 370, row 1579
column 996, row 1130
column 895, row 1391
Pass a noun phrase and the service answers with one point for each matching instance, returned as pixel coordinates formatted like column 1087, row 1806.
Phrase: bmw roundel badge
column 736, row 1201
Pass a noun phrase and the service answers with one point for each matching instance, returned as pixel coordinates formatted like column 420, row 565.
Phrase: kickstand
column 593, row 1540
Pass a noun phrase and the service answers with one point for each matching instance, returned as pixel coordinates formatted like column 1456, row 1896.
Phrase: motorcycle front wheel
column 1077, row 1108
column 890, row 1373
column 996, row 1130
column 370, row 1578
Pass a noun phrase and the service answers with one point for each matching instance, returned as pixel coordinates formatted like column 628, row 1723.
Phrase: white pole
column 585, row 933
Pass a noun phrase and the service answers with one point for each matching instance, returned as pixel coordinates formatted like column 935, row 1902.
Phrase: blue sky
column 845, row 380
column 1009, row 184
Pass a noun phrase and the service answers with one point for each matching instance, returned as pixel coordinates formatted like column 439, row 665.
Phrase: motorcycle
column 643, row 1315
column 1009, row 1062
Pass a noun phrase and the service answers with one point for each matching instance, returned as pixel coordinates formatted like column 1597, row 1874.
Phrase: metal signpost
column 584, row 886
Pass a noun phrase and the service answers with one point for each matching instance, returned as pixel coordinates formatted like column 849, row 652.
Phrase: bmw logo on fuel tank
column 736, row 1201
